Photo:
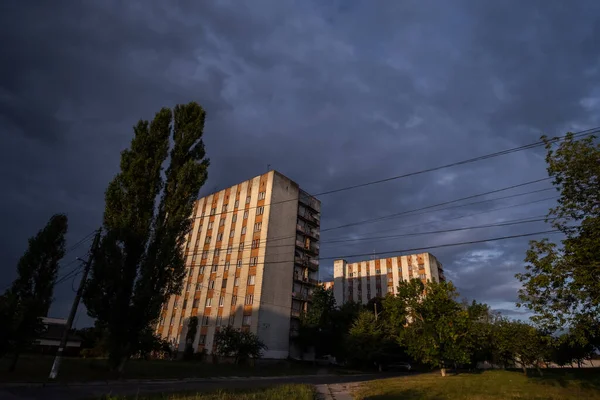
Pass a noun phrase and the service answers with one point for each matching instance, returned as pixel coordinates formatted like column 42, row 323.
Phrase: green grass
column 36, row 368
column 287, row 392
column 556, row 384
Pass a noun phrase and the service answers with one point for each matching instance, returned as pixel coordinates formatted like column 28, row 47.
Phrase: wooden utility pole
column 65, row 337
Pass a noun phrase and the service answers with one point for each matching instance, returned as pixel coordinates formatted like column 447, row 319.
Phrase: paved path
column 337, row 385
column 336, row 391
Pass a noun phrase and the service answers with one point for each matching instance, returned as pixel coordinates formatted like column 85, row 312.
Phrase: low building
column 363, row 280
column 49, row 340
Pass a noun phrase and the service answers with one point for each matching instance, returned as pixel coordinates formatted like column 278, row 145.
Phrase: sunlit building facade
column 252, row 263
column 363, row 280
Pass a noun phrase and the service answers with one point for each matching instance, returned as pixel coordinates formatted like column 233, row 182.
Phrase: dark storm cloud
column 329, row 94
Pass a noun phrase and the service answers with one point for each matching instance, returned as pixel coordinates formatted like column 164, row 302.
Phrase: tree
column 520, row 343
column 139, row 263
column 239, row 344
column 317, row 324
column 189, row 338
column 437, row 325
column 367, row 341
column 30, row 295
column 561, row 284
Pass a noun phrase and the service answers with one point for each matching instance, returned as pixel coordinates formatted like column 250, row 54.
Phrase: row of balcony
column 312, row 232
column 302, row 296
column 308, row 246
column 305, row 279
column 308, row 262
column 310, row 217
column 309, row 201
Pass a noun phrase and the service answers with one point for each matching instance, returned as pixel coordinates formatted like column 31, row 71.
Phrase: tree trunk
column 443, row 371
column 13, row 362
column 539, row 370
column 121, row 367
column 524, row 369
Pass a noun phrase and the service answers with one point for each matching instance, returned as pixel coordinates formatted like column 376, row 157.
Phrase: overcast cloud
column 330, row 93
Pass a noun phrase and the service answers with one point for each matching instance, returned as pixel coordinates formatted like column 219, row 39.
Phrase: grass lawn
column 287, row 392
column 556, row 384
column 32, row 368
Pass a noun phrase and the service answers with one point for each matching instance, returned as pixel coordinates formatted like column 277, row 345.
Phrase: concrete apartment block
column 363, row 280
column 252, row 263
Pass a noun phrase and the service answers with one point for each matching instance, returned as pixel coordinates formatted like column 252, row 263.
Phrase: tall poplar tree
column 140, row 261
column 29, row 297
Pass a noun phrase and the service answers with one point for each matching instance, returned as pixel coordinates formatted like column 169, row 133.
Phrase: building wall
column 277, row 276
column 363, row 280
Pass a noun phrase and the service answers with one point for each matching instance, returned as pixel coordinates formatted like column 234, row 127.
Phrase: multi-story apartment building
column 361, row 281
column 252, row 263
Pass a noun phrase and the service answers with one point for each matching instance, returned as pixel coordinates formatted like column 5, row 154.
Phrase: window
column 162, row 321
column 219, row 320
column 260, row 210
column 221, row 301
column 232, row 233
column 243, row 230
column 229, row 248
column 246, row 320
column 205, row 320
column 187, row 288
column 253, row 260
column 195, row 303
column 172, row 320
column 422, row 276
column 176, row 303
column 215, row 267
column 261, row 195
column 251, row 279
column 213, row 211
column 378, row 292
column 224, row 208
column 236, row 281
column 217, row 253
column 246, row 214
column 194, row 259
column 208, row 302
column 201, row 270
column 211, row 284
column 249, row 299
column 239, row 264
column 257, row 226
column 234, row 218
column 231, row 320
column 207, row 240
column 210, row 225
column 248, row 200
column 198, row 241
column 226, row 265
column 224, row 284
column 241, row 247
column 222, row 222
column 202, row 339
column 234, row 300
column 202, row 215
column 377, row 271
column 219, row 236
column 236, row 204
column 255, row 243
column 390, row 289
column 184, row 303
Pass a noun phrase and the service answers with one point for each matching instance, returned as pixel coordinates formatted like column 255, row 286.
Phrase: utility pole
column 375, row 307
column 65, row 337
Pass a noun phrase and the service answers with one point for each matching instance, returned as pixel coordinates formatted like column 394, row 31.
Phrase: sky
column 329, row 93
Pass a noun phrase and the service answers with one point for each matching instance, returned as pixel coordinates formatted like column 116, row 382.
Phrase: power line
column 401, row 251
column 432, row 206
column 579, row 134
column 470, row 160
column 80, row 242
column 213, row 249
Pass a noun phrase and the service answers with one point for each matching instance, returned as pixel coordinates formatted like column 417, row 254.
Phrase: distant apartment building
column 363, row 280
column 252, row 263
column 327, row 285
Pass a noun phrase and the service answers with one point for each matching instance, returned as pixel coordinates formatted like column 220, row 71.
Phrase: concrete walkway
column 336, row 391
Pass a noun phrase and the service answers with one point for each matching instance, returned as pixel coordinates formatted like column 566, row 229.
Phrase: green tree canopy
column 140, row 262
column 561, row 284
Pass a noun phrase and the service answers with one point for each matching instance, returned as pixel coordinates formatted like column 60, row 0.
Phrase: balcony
column 310, row 217
column 309, row 201
column 300, row 228
column 296, row 313
column 302, row 296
